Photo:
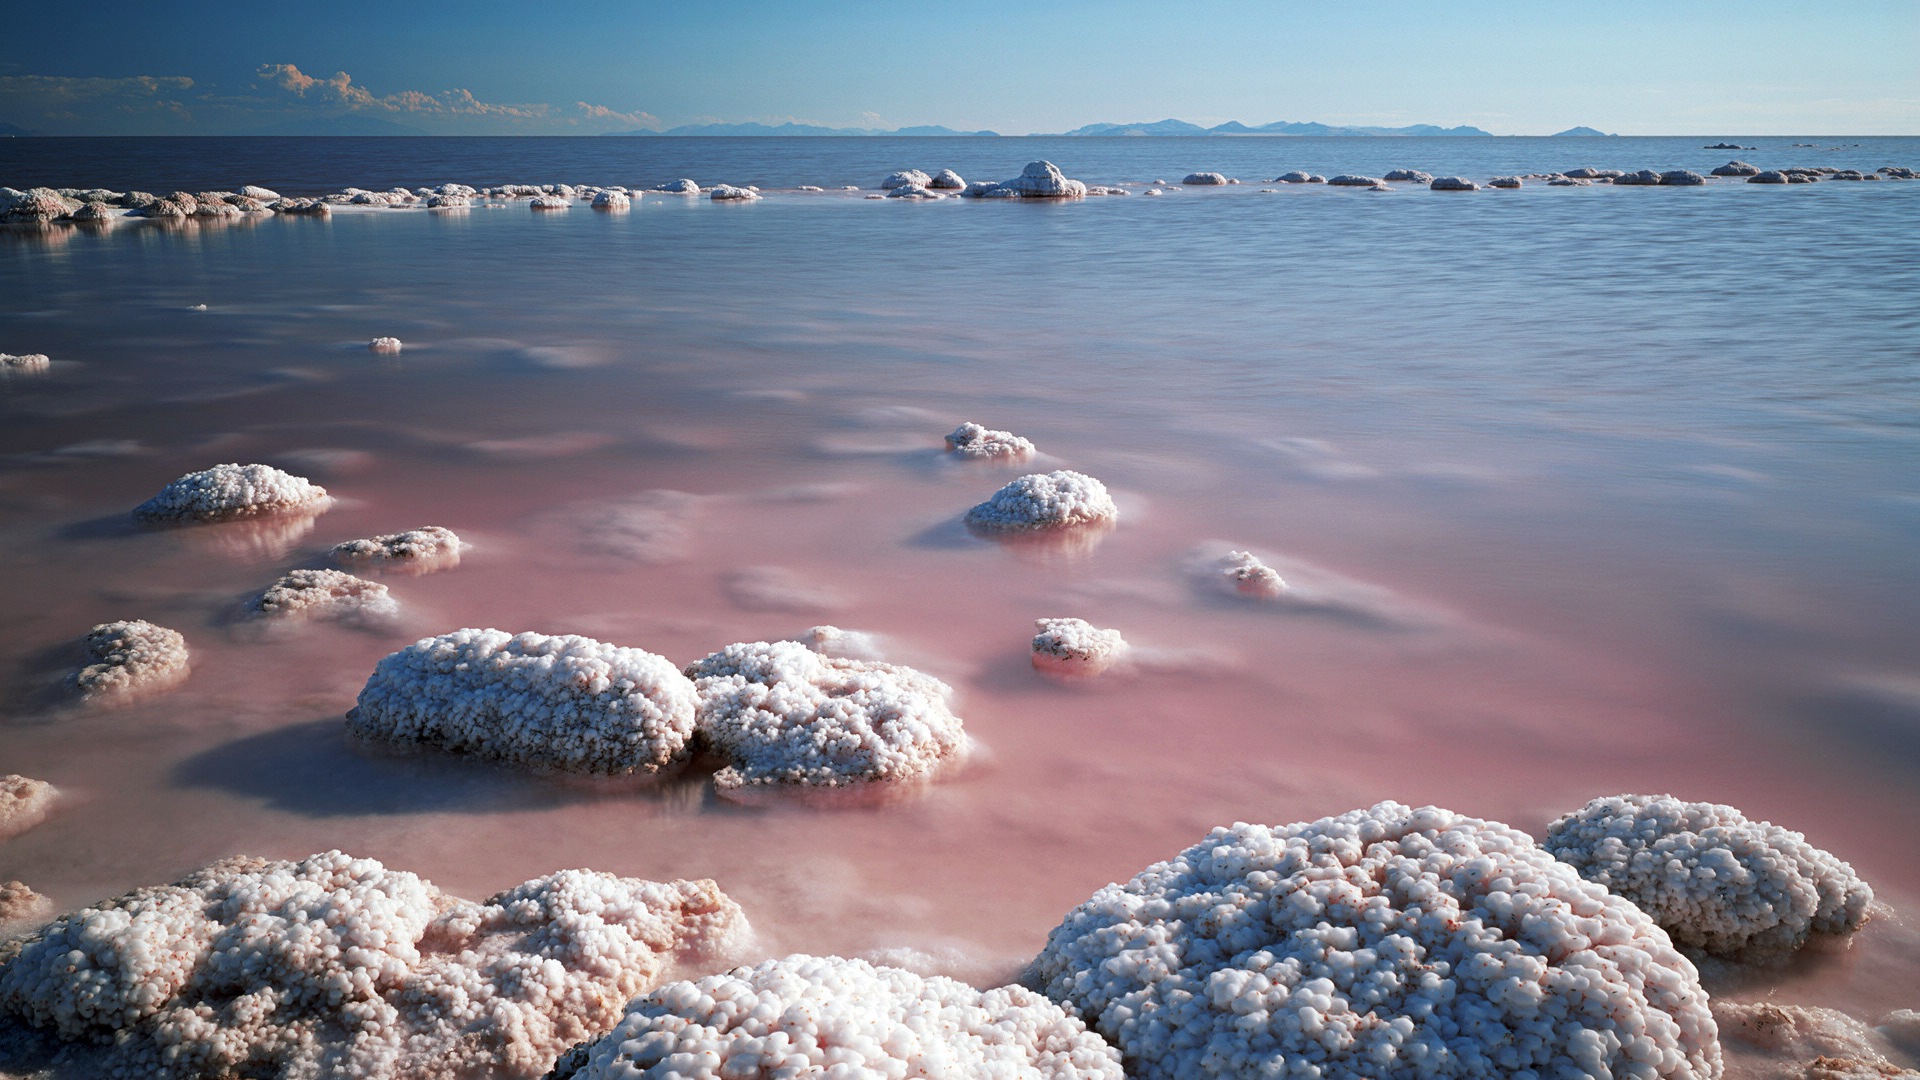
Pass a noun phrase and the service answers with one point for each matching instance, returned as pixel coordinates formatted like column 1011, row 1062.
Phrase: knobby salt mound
column 427, row 548
column 1039, row 180
column 324, row 594
column 790, row 719
column 1055, row 500
column 947, row 180
column 971, row 440
column 1715, row 880
column 828, row 1016
column 230, row 491
column 562, row 701
column 24, row 803
column 336, row 966
column 1383, row 942
column 132, row 658
column 1075, row 647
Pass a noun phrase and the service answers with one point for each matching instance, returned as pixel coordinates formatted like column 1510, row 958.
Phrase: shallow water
column 1624, row 481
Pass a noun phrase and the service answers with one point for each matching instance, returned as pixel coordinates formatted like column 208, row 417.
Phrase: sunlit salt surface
column 1608, row 490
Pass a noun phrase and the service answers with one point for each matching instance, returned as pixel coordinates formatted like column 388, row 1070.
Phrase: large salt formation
column 131, row 658
column 336, row 966
column 971, row 440
column 832, row 1017
column 416, row 551
column 1055, row 500
column 561, row 702
column 1386, row 942
column 790, row 719
column 1039, row 180
column 227, row 492
column 1715, row 880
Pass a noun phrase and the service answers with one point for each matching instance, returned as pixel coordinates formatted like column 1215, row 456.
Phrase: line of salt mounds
column 336, row 966
column 832, row 1017
column 1075, row 647
column 1382, row 942
column 131, row 658
column 788, row 718
column 230, row 491
column 325, row 594
column 1055, row 500
column 971, row 440
column 421, row 550
column 1714, row 879
column 561, row 701
column 24, row 803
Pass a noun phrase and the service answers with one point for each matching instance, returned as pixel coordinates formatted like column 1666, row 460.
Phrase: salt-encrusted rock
column 906, row 178
column 1643, row 178
column 95, row 211
column 1504, row 182
column 1043, row 180
column 230, row 491
column 1348, row 180
column 1715, row 880
column 1768, row 176
column 132, row 658
column 1814, row 1043
column 729, row 193
column 20, row 904
column 1055, row 500
column 1249, row 576
column 808, row 1016
column 427, row 548
column 1075, row 647
column 612, row 200
column 1570, row 181
column 336, row 966
column 913, row 191
column 1410, row 175
column 947, row 180
column 324, row 594
column 24, row 803
column 24, row 363
column 1299, row 178
column 1681, row 178
column 385, row 346
column 987, row 189
column 1453, row 183
column 678, row 187
column 36, row 206
column 561, row 701
column 1594, row 174
column 303, row 207
column 263, row 194
column 1385, row 942
column 1737, row 168
column 971, row 440
column 449, row 202
column 1204, row 179
column 790, row 719
column 549, row 202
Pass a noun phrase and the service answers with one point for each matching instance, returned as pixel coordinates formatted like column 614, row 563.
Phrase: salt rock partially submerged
column 1204, row 179
column 971, row 440
column 385, row 346
column 1075, row 647
column 336, row 966
column 27, row 362
column 1715, row 880
column 1383, row 942
column 132, row 658
column 1348, row 180
column 678, row 187
column 421, row 550
column 1453, row 183
column 1414, row 176
column 1039, row 180
column 729, row 193
column 1297, row 177
column 947, row 180
column 1681, row 178
column 562, row 702
column 1737, row 168
column 1251, row 577
column 828, row 1016
column 324, row 594
column 24, row 803
column 1505, row 182
column 612, row 200
column 907, row 178
column 230, row 491
column 1037, row 501
column 790, row 719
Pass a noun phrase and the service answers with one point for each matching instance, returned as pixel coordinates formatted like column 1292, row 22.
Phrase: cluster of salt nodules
column 385, row 346
column 230, row 491
column 1075, row 647
column 1055, row 500
column 971, row 440
column 1251, row 577
column 833, row 1017
column 336, row 966
column 24, row 803
column 1814, row 1043
column 427, row 548
column 24, row 362
column 131, row 658
column 1383, row 942
column 324, row 594
column 557, row 701
column 1039, row 180
column 790, row 719
column 1717, row 881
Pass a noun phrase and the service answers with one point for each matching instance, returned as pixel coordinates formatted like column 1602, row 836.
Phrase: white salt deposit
column 1350, row 180
column 612, row 200
column 947, row 180
column 132, row 658
column 678, row 187
column 807, row 1016
column 971, row 440
column 729, row 193
column 1075, row 647
column 1204, row 179
column 336, row 966
column 421, row 550
column 906, row 178
column 912, row 191
column 790, row 719
column 549, row 202
column 1715, row 880
column 562, row 702
column 325, row 594
column 1505, row 182
column 24, row 803
column 1453, row 183
column 1383, row 942
column 1902, row 1028
column 1414, row 176
column 231, row 491
column 1059, row 499
column 1251, row 577
column 263, row 194
column 1043, row 180
column 24, row 363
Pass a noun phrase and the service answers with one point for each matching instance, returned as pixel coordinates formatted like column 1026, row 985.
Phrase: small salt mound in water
column 678, row 187
column 1383, row 942
column 947, row 180
column 325, row 594
column 907, row 178
column 230, row 491
column 612, row 200
column 1819, row 1044
column 729, row 193
column 561, row 702
column 1075, row 647
column 1055, row 500
column 1204, row 179
column 385, row 346
column 132, row 658
column 20, row 904
column 971, row 440
column 1715, row 880
column 1251, row 577
column 549, row 202
column 789, row 719
column 24, row 803
column 421, row 550
column 829, row 1016
column 1039, row 180
column 336, row 966
column 24, row 363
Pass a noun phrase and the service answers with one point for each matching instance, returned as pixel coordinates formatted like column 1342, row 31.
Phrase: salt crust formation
column 1817, row 1044
column 1075, row 647
column 1386, row 942
column 334, row 966
column 26, row 362
column 907, row 178
column 324, row 594
column 1204, row 179
column 1251, row 577
column 1348, row 180
column 549, row 202
column 557, row 701
column 1715, row 880
column 971, row 440
column 230, row 491
column 789, row 718
column 429, row 547
column 131, row 658
column 385, row 346
column 832, row 1017
column 24, row 803
column 1055, row 500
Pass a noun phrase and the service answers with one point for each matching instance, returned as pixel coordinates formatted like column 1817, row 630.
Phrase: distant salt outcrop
column 1815, row 1043
column 1299, row 178
column 131, row 658
column 385, row 346
column 1505, row 182
column 1414, row 176
column 230, row 491
column 1737, row 168
column 1204, row 179
column 1641, row 178
column 1681, row 178
column 24, row 803
column 914, row 191
column 1590, row 173
column 1075, row 648
column 549, row 202
column 418, row 551
column 1349, row 180
column 678, row 187
column 1039, row 180
column 612, row 200
column 1248, row 576
column 325, row 594
column 971, row 440
column 906, row 178
column 1453, row 183
column 27, row 363
column 947, row 180
column 729, row 193
column 20, row 906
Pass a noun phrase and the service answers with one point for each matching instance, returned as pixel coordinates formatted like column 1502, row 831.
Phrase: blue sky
column 1703, row 67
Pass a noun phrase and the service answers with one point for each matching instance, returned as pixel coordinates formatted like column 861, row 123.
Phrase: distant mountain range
column 1279, row 127
column 792, row 129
